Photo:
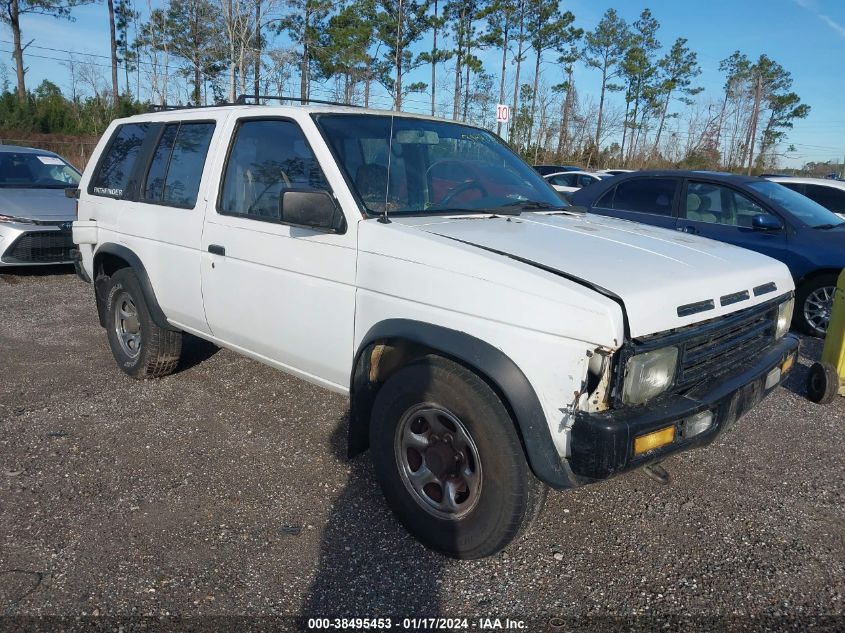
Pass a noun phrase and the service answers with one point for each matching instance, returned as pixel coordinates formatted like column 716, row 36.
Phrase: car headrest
column 693, row 203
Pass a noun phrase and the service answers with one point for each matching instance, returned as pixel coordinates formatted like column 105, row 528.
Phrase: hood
column 653, row 271
column 46, row 205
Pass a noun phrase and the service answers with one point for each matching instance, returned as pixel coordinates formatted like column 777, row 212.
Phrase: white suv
column 492, row 341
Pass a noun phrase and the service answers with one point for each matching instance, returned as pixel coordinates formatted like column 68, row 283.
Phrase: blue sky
column 807, row 37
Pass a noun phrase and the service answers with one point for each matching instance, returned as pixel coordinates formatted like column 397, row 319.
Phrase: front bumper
column 35, row 244
column 602, row 443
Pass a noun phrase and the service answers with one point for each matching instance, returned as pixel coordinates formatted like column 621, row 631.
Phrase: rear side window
column 562, row 180
column 118, row 161
column 176, row 169
column 645, row 195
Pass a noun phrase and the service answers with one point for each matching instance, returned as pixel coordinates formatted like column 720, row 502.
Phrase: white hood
column 654, row 271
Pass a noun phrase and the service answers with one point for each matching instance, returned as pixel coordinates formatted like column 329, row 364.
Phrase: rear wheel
column 141, row 348
column 814, row 301
column 449, row 460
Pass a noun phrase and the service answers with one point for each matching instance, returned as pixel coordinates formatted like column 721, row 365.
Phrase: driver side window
column 716, row 204
column 268, row 157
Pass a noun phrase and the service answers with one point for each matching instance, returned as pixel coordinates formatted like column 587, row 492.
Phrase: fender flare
column 487, row 361
column 124, row 253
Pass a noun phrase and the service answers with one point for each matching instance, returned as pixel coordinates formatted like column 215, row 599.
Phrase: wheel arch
column 110, row 258
column 816, row 273
column 407, row 340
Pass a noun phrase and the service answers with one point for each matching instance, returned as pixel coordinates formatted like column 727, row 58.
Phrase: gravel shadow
column 398, row 578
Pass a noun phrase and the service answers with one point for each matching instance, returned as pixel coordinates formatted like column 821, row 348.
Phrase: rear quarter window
column 118, row 161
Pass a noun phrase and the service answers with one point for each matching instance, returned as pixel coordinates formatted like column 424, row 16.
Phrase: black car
column 545, row 170
column 751, row 212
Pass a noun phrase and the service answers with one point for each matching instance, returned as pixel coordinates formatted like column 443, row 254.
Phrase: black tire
column 157, row 350
column 822, row 383
column 806, row 291
column 509, row 497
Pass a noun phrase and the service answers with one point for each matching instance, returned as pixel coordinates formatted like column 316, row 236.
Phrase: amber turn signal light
column 655, row 439
column 787, row 364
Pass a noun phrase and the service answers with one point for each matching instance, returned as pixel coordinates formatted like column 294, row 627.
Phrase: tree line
column 648, row 111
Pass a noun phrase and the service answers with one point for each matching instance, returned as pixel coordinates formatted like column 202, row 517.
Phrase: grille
column 39, row 247
column 737, row 338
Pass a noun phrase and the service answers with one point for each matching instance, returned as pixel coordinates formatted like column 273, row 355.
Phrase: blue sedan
column 746, row 211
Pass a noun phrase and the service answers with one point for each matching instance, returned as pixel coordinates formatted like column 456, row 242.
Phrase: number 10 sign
column 503, row 113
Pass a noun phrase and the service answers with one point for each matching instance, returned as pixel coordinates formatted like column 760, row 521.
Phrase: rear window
column 118, row 161
column 176, row 169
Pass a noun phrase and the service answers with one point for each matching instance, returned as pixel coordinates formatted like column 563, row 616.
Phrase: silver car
column 35, row 214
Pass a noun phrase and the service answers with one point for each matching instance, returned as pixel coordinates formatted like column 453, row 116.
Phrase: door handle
column 687, row 229
column 216, row 249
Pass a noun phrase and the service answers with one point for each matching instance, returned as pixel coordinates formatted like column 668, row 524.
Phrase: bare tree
column 11, row 12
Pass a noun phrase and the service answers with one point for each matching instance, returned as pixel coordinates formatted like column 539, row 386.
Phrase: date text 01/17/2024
column 434, row 624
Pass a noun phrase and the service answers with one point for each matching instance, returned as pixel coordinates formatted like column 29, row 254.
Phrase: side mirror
column 72, row 192
column 311, row 208
column 766, row 222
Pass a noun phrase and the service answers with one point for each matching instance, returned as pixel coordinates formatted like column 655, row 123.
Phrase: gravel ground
column 223, row 490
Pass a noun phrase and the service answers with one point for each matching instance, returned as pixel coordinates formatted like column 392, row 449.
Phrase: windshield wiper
column 528, row 204
column 827, row 227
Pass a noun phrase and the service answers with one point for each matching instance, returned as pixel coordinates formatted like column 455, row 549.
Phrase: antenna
column 384, row 219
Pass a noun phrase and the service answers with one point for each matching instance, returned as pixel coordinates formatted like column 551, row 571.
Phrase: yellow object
column 653, row 440
column 834, row 341
column 787, row 364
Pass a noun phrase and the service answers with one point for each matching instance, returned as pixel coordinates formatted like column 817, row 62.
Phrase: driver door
column 282, row 293
column 723, row 213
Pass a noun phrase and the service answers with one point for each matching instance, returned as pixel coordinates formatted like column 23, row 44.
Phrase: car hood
column 47, row 205
column 653, row 271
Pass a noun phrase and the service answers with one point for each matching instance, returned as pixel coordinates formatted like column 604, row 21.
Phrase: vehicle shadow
column 811, row 351
column 13, row 274
column 369, row 566
column 194, row 351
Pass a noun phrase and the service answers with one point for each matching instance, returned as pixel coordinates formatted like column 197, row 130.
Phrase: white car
column 825, row 191
column 569, row 181
column 492, row 342
column 615, row 172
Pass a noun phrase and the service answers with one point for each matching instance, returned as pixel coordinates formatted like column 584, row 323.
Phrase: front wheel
column 814, row 303
column 449, row 460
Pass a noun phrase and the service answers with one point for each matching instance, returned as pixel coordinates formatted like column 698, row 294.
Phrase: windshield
column 809, row 212
column 404, row 165
column 36, row 171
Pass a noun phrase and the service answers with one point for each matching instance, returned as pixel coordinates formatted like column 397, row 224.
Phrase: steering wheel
column 467, row 185
column 460, row 188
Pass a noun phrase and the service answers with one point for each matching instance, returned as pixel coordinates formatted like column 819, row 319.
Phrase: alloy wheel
column 817, row 308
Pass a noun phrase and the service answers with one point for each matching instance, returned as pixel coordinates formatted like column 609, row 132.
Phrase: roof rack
column 154, row 107
column 242, row 100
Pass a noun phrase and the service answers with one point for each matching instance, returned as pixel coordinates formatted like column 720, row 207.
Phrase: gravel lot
column 223, row 490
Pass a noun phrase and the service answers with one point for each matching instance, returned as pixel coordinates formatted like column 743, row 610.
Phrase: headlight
column 648, row 375
column 784, row 318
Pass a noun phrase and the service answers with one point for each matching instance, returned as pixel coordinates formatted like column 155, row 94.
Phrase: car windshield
column 36, row 171
column 809, row 212
column 403, row 165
